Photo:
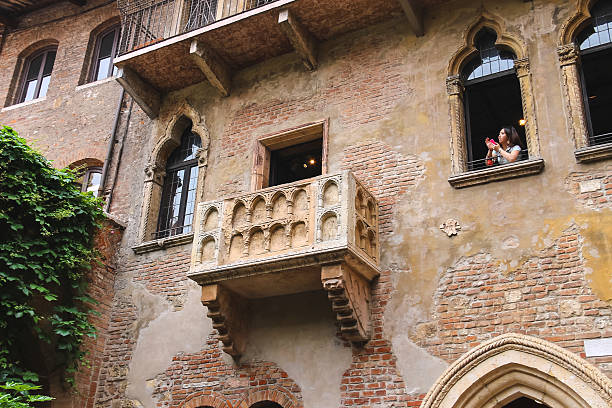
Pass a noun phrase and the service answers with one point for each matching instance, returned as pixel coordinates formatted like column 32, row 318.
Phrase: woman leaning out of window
column 507, row 150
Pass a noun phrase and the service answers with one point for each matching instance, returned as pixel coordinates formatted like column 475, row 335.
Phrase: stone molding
column 593, row 153
column 573, row 25
column 497, row 173
column 442, row 394
column 455, row 90
column 163, row 243
column 168, row 140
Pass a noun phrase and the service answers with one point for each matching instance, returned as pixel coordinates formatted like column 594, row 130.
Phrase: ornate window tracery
column 585, row 56
column 489, row 87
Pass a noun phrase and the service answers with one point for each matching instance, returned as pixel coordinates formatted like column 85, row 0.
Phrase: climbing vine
column 46, row 248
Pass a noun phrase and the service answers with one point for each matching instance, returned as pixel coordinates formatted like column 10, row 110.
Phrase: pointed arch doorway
column 512, row 369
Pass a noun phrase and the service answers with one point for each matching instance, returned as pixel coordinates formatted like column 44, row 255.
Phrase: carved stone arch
column 504, row 40
column 205, row 400
column 170, row 138
column 280, row 395
column 577, row 22
column 455, row 90
column 569, row 60
column 514, row 365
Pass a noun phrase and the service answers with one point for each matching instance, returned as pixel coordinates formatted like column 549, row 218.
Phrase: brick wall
column 547, row 297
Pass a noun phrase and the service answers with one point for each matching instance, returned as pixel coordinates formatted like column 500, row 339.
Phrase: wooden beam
column 302, row 40
column 414, row 14
column 145, row 95
column 8, row 20
column 212, row 66
column 78, row 2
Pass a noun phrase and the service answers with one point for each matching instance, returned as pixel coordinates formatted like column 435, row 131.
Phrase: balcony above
column 315, row 234
column 167, row 45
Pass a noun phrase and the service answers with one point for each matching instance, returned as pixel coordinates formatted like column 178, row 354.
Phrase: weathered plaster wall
column 383, row 91
column 535, row 251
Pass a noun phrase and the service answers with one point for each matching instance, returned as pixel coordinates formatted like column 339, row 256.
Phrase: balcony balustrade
column 314, row 234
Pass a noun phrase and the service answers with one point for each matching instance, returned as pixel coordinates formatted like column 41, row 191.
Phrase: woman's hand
column 489, row 144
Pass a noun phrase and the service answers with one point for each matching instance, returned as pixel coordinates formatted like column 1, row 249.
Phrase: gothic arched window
column 492, row 98
column 179, row 191
column 595, row 44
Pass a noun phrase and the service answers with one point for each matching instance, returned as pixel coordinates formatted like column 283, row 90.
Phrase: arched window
column 492, row 98
column 179, row 191
column 37, row 74
column 595, row 44
column 105, row 50
column 90, row 180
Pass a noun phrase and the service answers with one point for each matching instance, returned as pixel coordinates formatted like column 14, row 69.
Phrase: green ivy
column 17, row 395
column 46, row 247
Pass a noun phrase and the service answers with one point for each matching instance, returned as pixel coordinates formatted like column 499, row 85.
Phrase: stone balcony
column 314, row 234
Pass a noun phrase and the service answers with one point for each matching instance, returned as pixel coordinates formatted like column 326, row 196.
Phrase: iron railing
column 486, row 163
column 146, row 22
column 601, row 139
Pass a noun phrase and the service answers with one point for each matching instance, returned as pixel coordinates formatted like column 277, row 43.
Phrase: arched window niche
column 159, row 225
column 489, row 87
column 585, row 55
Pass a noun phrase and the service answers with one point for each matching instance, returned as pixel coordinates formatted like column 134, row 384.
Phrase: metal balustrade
column 146, row 22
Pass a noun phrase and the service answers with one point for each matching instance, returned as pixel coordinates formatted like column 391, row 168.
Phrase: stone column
column 569, row 59
column 531, row 127
column 455, row 89
column 152, row 192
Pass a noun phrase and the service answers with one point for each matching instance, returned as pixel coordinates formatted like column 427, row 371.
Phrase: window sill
column 506, row 171
column 22, row 104
column 163, row 243
column 95, row 83
column 593, row 153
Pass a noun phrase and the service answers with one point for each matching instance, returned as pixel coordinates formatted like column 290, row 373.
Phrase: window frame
column 93, row 74
column 188, row 166
column 461, row 176
column 26, row 67
column 573, row 85
column 85, row 178
column 286, row 138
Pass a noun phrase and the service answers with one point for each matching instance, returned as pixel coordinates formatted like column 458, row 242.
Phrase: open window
column 289, row 156
column 489, row 88
column 492, row 99
column 595, row 44
column 90, row 180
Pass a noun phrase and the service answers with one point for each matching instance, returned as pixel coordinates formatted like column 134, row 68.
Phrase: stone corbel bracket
column 303, row 41
column 227, row 310
column 349, row 293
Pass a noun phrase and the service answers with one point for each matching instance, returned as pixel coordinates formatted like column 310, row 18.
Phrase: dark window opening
column 37, row 75
column 296, row 162
column 179, row 191
column 596, row 48
column 106, row 49
column 266, row 404
column 524, row 402
column 492, row 99
column 491, row 105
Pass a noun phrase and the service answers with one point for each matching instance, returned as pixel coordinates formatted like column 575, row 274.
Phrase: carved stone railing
column 319, row 233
